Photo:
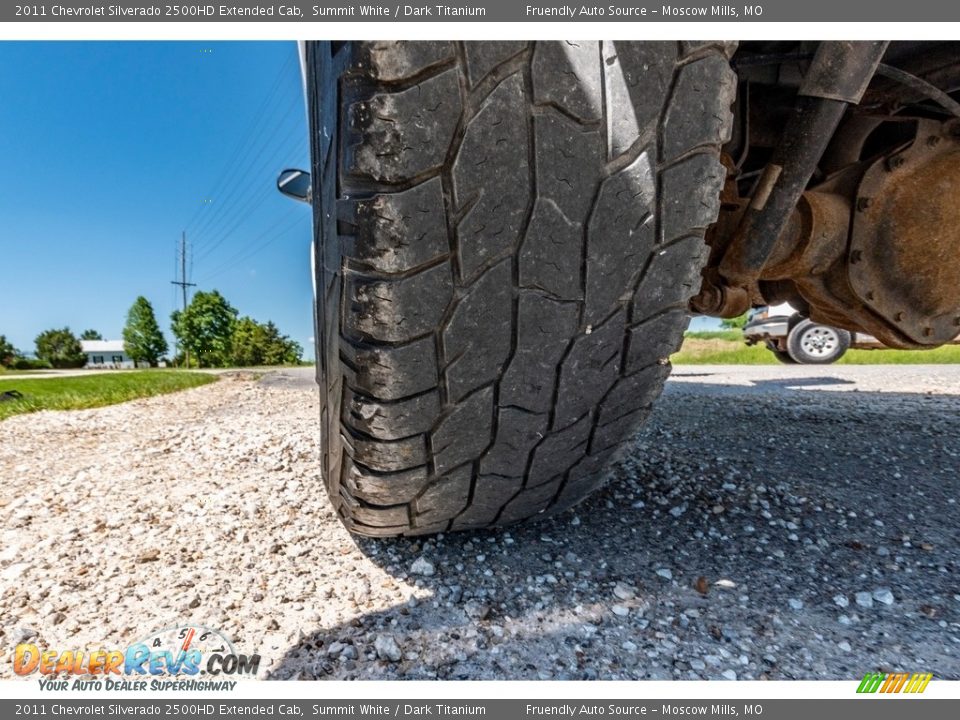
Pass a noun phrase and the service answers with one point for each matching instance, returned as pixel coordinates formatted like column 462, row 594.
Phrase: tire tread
column 508, row 235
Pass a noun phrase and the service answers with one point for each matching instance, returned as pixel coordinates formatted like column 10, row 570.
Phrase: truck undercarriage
column 842, row 189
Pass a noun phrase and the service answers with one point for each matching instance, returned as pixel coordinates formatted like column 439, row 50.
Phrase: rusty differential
column 904, row 256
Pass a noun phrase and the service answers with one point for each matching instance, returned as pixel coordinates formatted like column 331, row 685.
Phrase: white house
column 106, row 354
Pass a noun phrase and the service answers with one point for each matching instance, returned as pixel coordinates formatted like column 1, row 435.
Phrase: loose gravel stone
column 883, row 595
column 387, row 648
column 422, row 566
column 21, row 635
column 476, row 610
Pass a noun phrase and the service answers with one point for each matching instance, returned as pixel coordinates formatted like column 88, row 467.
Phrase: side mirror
column 295, row 184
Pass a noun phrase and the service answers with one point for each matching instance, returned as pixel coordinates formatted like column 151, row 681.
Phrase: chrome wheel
column 816, row 344
column 820, row 341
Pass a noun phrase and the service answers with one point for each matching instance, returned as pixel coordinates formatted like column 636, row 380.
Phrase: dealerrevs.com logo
column 169, row 659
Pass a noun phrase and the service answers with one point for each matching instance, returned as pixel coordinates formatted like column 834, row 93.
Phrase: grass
column 732, row 335
column 715, row 351
column 946, row 355
column 94, row 390
column 726, row 347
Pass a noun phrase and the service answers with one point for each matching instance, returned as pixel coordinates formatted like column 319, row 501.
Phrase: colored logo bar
column 894, row 682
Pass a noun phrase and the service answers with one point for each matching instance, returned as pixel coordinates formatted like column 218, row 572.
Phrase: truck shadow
column 729, row 530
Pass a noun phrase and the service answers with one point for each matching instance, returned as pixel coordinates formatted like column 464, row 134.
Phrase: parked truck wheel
column 810, row 343
column 506, row 238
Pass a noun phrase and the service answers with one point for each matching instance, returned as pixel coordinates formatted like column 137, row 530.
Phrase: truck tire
column 781, row 355
column 506, row 238
column 810, row 343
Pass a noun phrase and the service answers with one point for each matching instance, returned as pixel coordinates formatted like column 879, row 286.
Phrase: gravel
column 205, row 506
column 387, row 648
column 422, row 566
column 883, row 596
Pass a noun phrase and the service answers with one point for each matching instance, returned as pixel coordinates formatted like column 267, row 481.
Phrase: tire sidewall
column 781, row 355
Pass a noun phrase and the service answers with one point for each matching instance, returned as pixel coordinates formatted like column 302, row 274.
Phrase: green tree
column 8, row 353
column 262, row 344
column 248, row 343
column 142, row 338
column 90, row 335
column 281, row 350
column 60, row 348
column 205, row 329
column 734, row 323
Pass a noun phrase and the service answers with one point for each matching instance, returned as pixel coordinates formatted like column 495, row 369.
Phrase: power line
column 283, row 233
column 278, row 134
column 243, row 186
column 251, row 249
column 250, row 203
column 246, row 137
column 245, row 179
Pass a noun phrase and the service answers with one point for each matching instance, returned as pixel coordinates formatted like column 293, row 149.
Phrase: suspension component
column 837, row 77
column 874, row 245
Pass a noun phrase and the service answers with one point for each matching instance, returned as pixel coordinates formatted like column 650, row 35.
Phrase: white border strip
column 478, row 31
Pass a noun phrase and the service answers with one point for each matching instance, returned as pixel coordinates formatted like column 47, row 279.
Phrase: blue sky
column 109, row 150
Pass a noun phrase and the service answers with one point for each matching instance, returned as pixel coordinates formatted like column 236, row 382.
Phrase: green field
column 725, row 347
column 94, row 390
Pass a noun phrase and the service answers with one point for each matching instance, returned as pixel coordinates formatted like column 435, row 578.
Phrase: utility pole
column 182, row 282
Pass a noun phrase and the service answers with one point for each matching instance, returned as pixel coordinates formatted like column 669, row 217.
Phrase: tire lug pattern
column 508, row 234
